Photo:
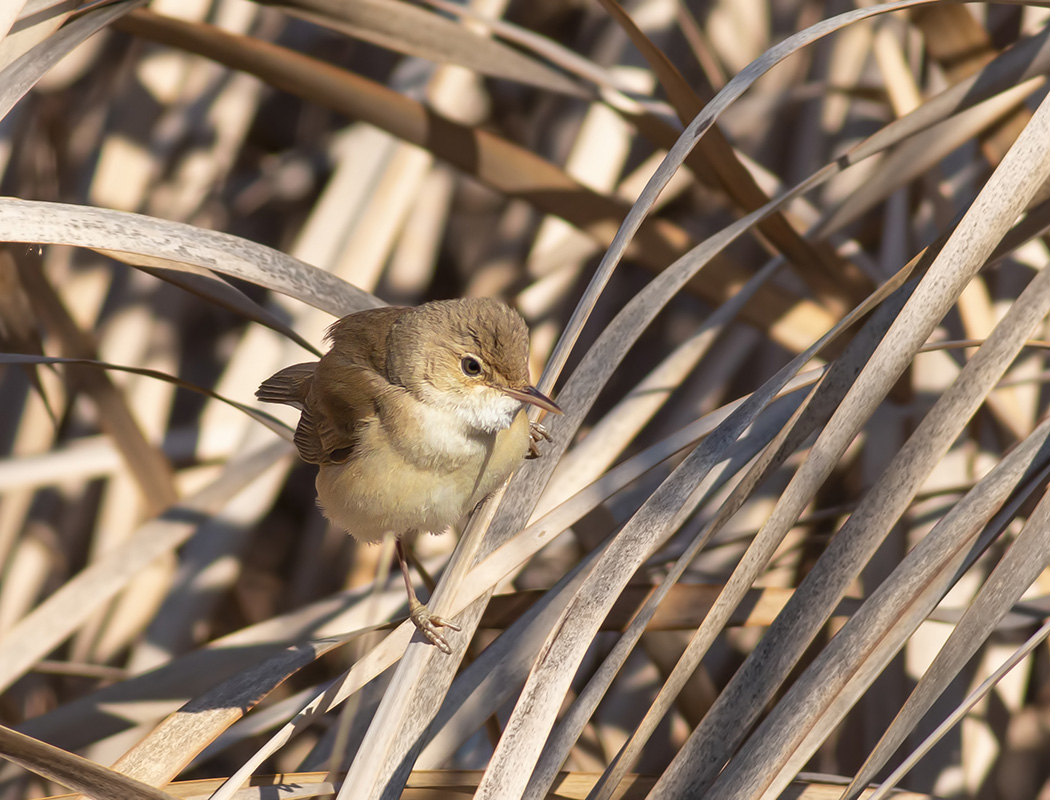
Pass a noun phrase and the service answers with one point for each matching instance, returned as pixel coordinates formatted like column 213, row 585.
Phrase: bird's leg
column 421, row 617
column 537, row 434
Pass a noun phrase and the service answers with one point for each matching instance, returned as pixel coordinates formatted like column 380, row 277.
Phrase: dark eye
column 471, row 366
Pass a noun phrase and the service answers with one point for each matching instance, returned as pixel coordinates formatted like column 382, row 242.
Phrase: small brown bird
column 414, row 416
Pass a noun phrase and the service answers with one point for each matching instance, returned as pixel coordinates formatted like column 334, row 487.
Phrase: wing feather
column 337, row 395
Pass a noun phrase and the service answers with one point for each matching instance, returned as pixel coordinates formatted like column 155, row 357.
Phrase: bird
column 414, row 416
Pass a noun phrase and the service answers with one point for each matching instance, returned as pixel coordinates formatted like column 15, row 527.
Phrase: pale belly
column 381, row 491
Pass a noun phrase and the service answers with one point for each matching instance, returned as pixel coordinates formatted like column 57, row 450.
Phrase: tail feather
column 289, row 386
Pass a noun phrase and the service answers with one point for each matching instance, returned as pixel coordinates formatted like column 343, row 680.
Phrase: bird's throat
column 484, row 411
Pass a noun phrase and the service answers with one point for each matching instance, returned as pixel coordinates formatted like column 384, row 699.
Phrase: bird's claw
column 428, row 624
column 537, row 434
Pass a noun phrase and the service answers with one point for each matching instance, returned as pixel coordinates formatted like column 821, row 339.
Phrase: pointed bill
column 532, row 395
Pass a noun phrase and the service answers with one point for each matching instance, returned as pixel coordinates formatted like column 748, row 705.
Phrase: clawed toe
column 537, row 434
column 428, row 625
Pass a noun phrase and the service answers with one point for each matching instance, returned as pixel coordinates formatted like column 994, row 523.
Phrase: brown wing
column 337, row 394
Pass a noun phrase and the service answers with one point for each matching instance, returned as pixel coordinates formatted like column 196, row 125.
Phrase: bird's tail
column 289, row 386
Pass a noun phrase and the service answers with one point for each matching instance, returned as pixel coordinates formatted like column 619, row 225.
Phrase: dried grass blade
column 182, row 736
column 73, row 771
column 57, row 617
column 215, row 290
column 271, row 422
column 147, row 464
column 1003, row 198
column 1012, row 576
column 813, row 413
column 496, row 162
column 140, row 240
column 595, row 454
column 754, row 768
column 958, row 714
column 21, row 74
column 838, row 283
column 414, row 31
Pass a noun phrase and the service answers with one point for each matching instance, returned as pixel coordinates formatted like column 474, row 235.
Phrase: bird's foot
column 537, row 434
column 428, row 625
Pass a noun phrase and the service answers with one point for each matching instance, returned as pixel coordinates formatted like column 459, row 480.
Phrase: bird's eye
column 471, row 366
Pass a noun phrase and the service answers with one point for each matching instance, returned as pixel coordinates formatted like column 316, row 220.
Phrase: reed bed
column 783, row 265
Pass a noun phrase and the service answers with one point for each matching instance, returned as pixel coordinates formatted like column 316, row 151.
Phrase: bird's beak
column 532, row 395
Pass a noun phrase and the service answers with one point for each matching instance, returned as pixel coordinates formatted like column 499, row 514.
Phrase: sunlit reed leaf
column 511, row 170
column 73, row 771
column 149, row 467
column 834, row 280
column 947, row 543
column 414, row 31
column 55, row 619
column 256, row 414
column 1012, row 576
column 140, row 240
column 887, row 786
column 22, row 70
column 1016, row 180
column 182, row 736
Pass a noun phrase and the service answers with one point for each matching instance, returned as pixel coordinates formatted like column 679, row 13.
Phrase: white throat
column 485, row 409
